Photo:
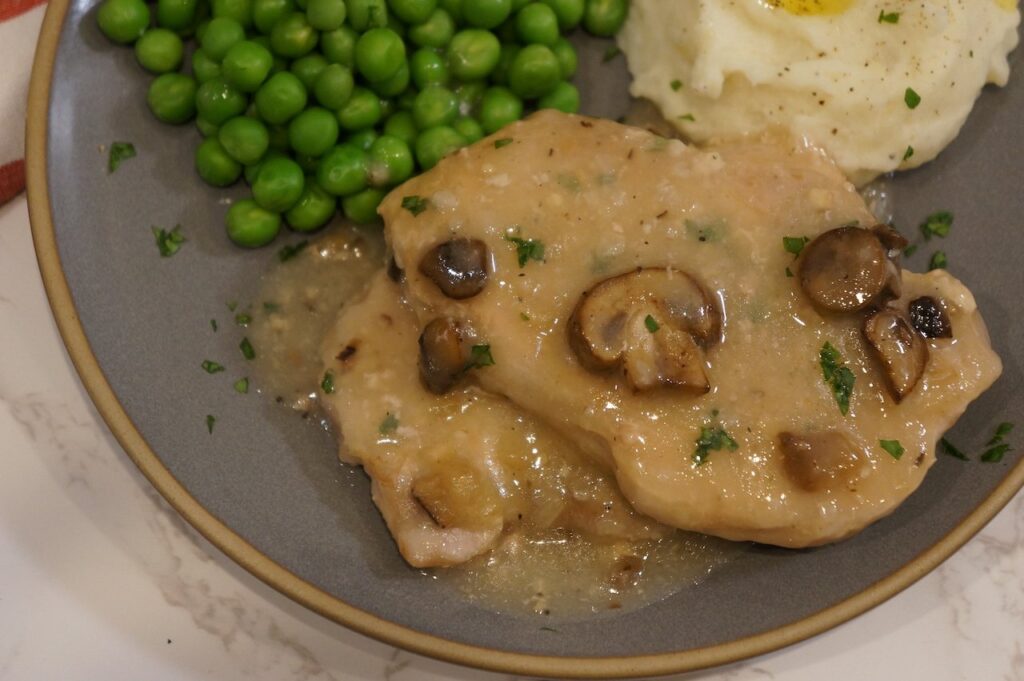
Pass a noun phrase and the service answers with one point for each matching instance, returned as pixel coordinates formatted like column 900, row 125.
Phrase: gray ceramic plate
column 267, row 488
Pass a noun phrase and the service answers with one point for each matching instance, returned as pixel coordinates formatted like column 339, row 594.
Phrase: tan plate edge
column 331, row 607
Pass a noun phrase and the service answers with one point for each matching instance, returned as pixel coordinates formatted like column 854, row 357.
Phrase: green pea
column 308, row 68
column 344, row 170
column 363, row 139
column 216, row 101
column 239, row 10
column 172, row 98
column 537, row 24
column 380, row 53
column 518, row 5
column 534, row 72
column 280, row 98
column 401, row 125
column 214, row 164
column 499, row 107
column 201, row 30
column 313, row 209
column 251, row 226
column 159, row 50
column 567, row 59
column 434, row 144
column 339, row 46
column 203, row 68
column 469, row 128
column 486, row 13
column 326, row 15
column 366, row 14
column 245, row 139
column 266, row 13
column 206, row 128
column 246, row 65
column 333, row 86
column 565, row 97
column 202, row 14
column 391, row 162
column 435, row 105
column 278, row 185
column 499, row 76
column 412, row 11
column 313, row 131
column 123, row 21
column 292, row 36
column 604, row 18
column 220, row 35
column 428, row 67
column 361, row 208
column 569, row 12
column 473, row 53
column 436, row 31
column 362, row 110
column 177, row 15
column 252, row 171
column 393, row 86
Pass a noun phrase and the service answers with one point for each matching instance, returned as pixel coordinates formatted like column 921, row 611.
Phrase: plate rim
column 333, row 608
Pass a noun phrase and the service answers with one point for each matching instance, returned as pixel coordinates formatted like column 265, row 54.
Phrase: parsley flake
column 327, row 384
column 837, row 375
column 950, row 449
column 480, row 356
column 888, row 17
column 611, row 53
column 687, row 117
column 995, row 454
column 291, row 250
column 242, row 385
column 389, row 425
column 676, row 85
column 168, row 242
column 210, row 420
column 794, row 244
column 911, row 98
column 712, row 439
column 1002, row 431
column 415, row 204
column 246, row 347
column 652, row 324
column 243, row 319
column 526, row 249
column 211, row 367
column 910, row 250
column 213, row 324
column 908, row 153
column 503, row 142
column 939, row 261
column 937, row 224
column 894, row 448
column 119, row 152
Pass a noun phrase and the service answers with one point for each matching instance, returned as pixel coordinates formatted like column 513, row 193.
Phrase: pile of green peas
column 321, row 102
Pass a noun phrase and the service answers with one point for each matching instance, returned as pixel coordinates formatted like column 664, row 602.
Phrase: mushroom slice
column 902, row 352
column 454, row 494
column 848, row 268
column 813, row 461
column 929, row 319
column 443, row 356
column 458, row 267
column 653, row 323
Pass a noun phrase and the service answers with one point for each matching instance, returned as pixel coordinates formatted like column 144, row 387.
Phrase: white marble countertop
column 99, row 579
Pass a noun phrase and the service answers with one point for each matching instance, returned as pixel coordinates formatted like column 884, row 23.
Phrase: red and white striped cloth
column 19, row 29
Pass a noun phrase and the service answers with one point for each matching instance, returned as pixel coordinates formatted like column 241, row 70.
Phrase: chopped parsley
column 480, row 356
column 894, row 448
column 937, row 224
column 789, row 272
column 911, row 98
column 211, row 367
column 503, row 142
column 549, row 629
column 996, row 448
column 415, row 204
column 526, row 249
column 611, row 53
column 939, row 261
column 712, row 439
column 119, row 152
column 908, row 153
column 687, row 117
column 327, row 384
column 1002, row 431
column 168, row 242
column 652, row 324
column 246, row 347
column 794, row 244
column 910, row 250
column 213, row 324
column 888, row 17
column 676, row 85
column 242, row 385
column 243, row 319
column 388, row 425
column 525, row 317
column 232, row 304
column 210, row 420
column 837, row 375
column 270, row 307
column 291, row 250
column 950, row 449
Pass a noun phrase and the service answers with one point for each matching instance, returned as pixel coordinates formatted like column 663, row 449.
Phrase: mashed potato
column 881, row 84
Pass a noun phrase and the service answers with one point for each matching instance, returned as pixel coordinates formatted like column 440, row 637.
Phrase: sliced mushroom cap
column 443, row 354
column 458, row 267
column 928, row 317
column 901, row 350
column 848, row 268
column 651, row 322
column 814, row 461
column 456, row 495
